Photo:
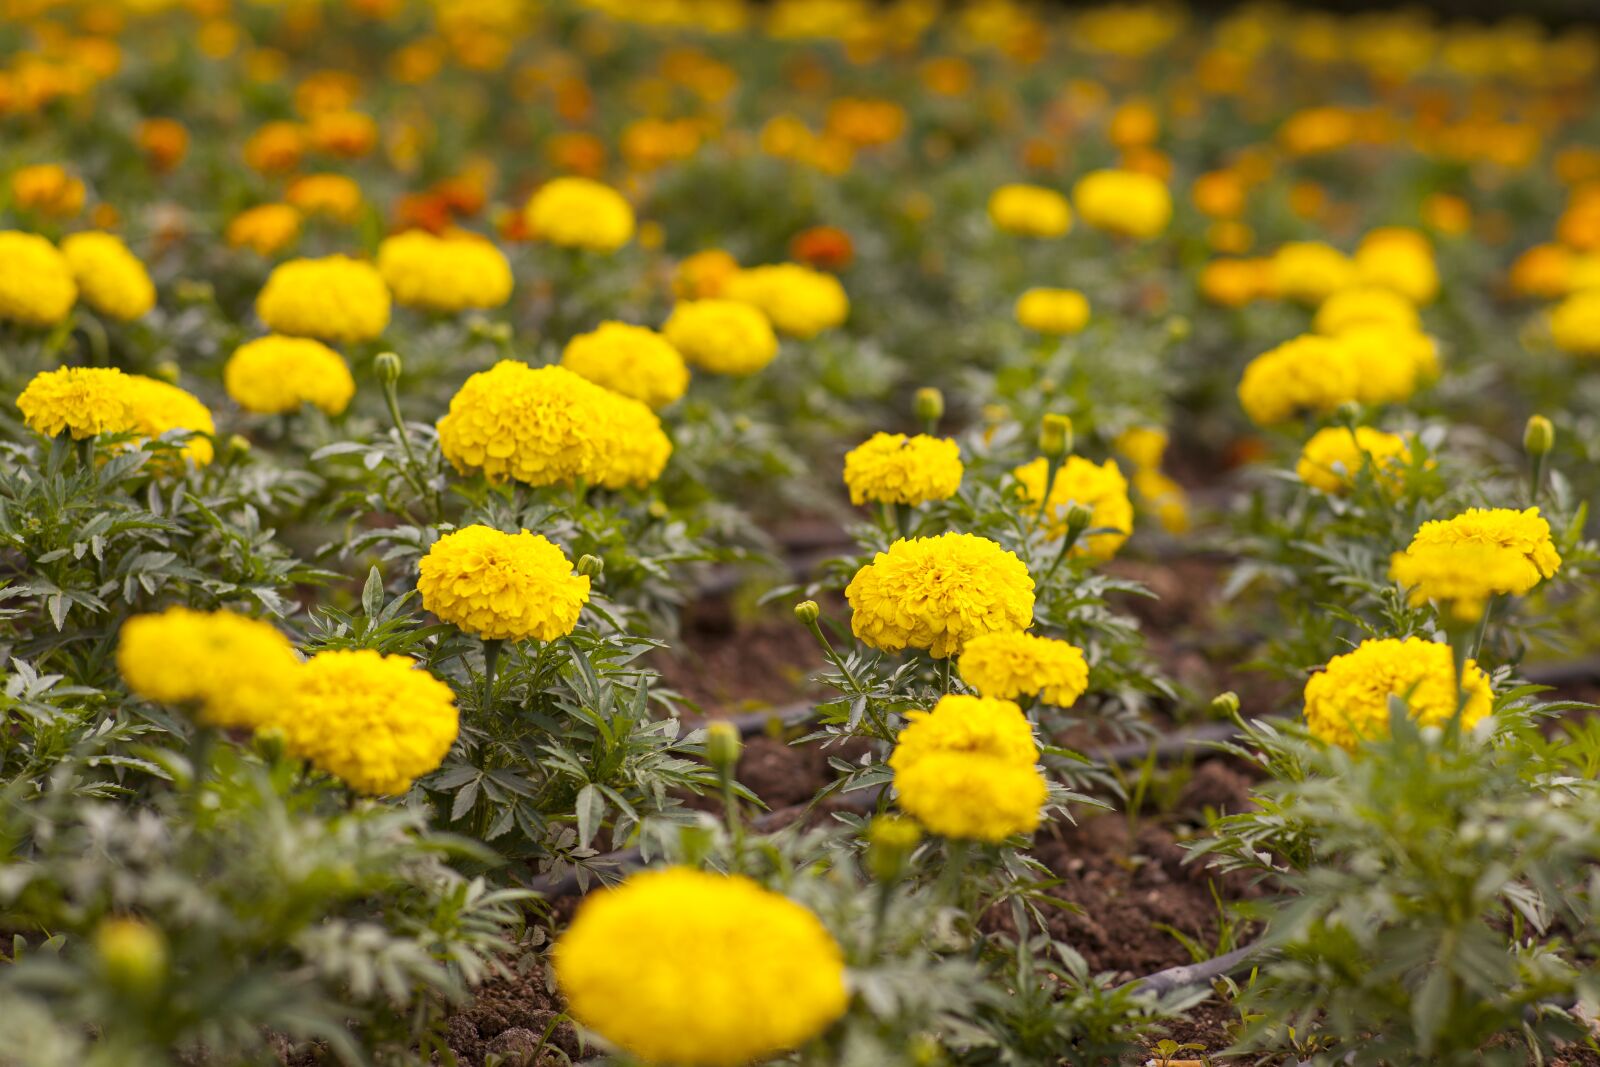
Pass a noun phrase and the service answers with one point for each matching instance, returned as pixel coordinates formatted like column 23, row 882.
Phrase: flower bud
column 388, row 366
column 723, row 745
column 238, row 446
column 807, row 612
column 167, row 371
column 484, row 330
column 591, row 567
column 1539, row 437
column 890, row 841
column 1055, row 436
column 1225, row 705
column 1078, row 520
column 133, row 954
column 928, row 405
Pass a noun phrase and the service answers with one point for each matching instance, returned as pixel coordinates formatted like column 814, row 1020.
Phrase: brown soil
column 511, row 1016
column 727, row 665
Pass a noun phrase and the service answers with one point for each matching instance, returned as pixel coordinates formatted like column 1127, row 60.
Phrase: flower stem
column 491, row 657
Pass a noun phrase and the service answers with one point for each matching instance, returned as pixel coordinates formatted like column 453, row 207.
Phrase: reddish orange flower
column 827, row 247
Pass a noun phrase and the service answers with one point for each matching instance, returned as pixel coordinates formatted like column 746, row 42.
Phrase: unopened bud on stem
column 1055, row 436
column 388, row 366
column 807, row 612
column 723, row 745
column 929, row 406
column 1539, row 437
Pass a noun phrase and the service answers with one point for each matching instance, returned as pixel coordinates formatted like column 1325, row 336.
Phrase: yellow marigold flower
column 1334, row 458
column 721, row 336
column 329, row 196
column 891, row 468
column 938, row 592
column 1401, row 260
column 264, row 229
column 1053, row 311
column 110, row 278
column 343, row 133
column 1365, row 306
column 1123, row 202
column 1445, row 556
column 164, row 143
column 636, row 450
column 450, row 273
column 1030, row 211
column 632, row 360
column 155, row 407
column 1348, row 702
column 1143, row 445
column 580, row 213
column 799, row 301
column 1541, row 272
column 1306, row 373
column 979, row 726
column 1015, row 665
column 703, row 274
column 375, row 722
column 82, row 401
column 230, row 670
column 334, row 298
column 1575, row 324
column 36, row 284
column 972, row 797
column 48, row 189
column 1390, row 362
column 1309, row 271
column 500, row 586
column 275, row 375
column 275, row 147
column 1165, row 497
column 684, row 967
column 1459, row 578
column 1100, row 487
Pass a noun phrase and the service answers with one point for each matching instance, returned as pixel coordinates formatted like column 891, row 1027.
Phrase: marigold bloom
column 329, row 196
column 972, row 797
column 1306, row 373
column 500, row 586
column 375, row 722
column 48, row 189
column 1334, row 458
column 1016, row 664
column 164, row 143
column 1541, row 272
column 275, row 147
column 350, row 134
column 447, row 274
column 721, row 336
column 1234, row 283
column 826, row 247
column 891, row 468
column 704, row 274
column 1030, row 211
column 1309, row 271
column 580, row 213
column 1479, row 553
column 36, row 283
column 156, row 407
column 981, row 726
column 1348, row 702
column 1100, row 487
column 110, row 278
column 1365, row 306
column 1123, row 202
column 634, row 361
column 684, row 967
column 938, row 592
column 264, row 229
column 799, row 301
column 334, row 298
column 636, row 449
column 1575, row 324
column 1219, row 194
column 275, row 375
column 1053, row 311
column 82, row 401
column 231, row 671
column 1400, row 260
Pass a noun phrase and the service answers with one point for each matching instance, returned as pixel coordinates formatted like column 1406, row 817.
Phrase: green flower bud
column 1055, row 436
column 1539, row 437
column 807, row 612
column 928, row 405
column 723, row 745
column 388, row 366
column 1225, row 705
column 591, row 567
column 890, row 841
column 133, row 954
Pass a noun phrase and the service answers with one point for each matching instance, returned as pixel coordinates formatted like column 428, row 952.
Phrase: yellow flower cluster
column 500, row 586
column 1100, row 487
column 276, row 374
column 1015, row 665
column 375, row 722
column 1030, row 211
column 1053, row 311
column 1365, row 306
column 264, row 229
column 1372, row 364
column 36, row 283
column 1124, row 202
column 334, row 298
column 110, row 278
column 632, row 360
column 1401, row 260
column 580, row 213
column 1480, row 553
column 1575, row 324
column 1333, row 459
column 721, row 336
column 1145, row 447
column 549, row 426
column 891, row 468
column 87, row 401
column 967, row 769
column 1309, row 271
column 231, row 671
column 445, row 274
column 799, row 301
column 1348, row 702
column 939, row 592
column 692, row 969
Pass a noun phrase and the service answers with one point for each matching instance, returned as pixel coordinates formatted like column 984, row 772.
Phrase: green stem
column 733, row 816
column 413, row 471
column 491, row 656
